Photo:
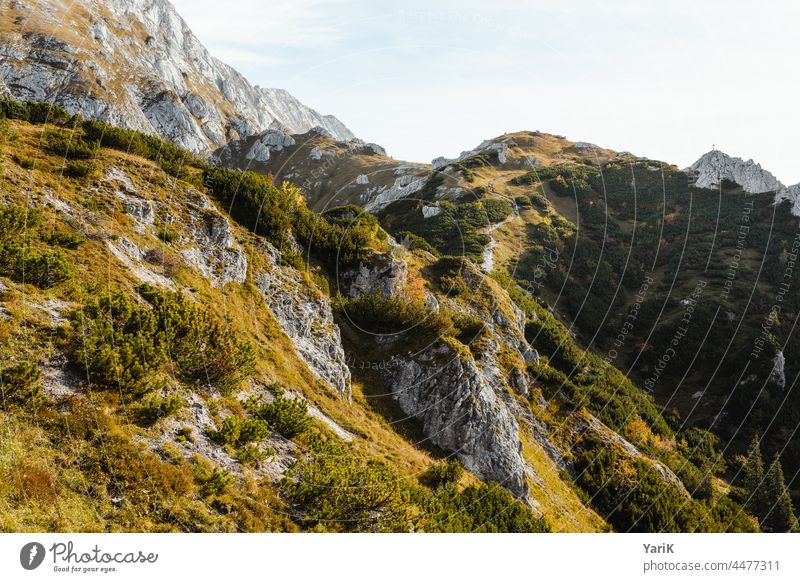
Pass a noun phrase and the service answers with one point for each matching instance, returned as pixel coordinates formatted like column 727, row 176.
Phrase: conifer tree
column 779, row 516
column 753, row 480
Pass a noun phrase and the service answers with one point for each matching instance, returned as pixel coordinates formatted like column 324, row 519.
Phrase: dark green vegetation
column 764, row 493
column 278, row 212
column 288, row 416
column 634, row 497
column 646, row 250
column 342, row 492
column 454, row 231
column 26, row 258
column 703, row 280
column 126, row 345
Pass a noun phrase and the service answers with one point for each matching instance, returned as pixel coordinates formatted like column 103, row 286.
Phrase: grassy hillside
column 148, row 386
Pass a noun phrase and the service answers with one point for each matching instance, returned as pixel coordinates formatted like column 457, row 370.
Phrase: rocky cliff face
column 792, row 194
column 306, row 318
column 460, row 411
column 136, row 64
column 459, row 394
column 715, row 166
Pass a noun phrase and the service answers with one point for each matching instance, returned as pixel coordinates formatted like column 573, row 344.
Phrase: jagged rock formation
column 136, row 63
column 778, row 374
column 792, row 194
column 460, row 412
column 215, row 252
column 306, row 318
column 408, row 181
column 715, row 166
column 499, row 148
column 274, row 139
column 381, row 274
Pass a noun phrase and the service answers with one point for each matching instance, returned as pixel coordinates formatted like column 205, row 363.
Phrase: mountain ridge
column 137, row 64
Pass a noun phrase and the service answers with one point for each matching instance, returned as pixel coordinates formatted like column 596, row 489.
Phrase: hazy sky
column 428, row 78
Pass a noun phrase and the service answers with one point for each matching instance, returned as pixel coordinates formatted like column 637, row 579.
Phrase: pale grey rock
column 54, row 309
column 403, row 187
column 487, row 262
column 275, row 139
column 321, row 131
column 59, row 380
column 778, row 374
column 214, row 252
column 449, row 192
column 490, row 147
column 530, row 355
column 519, row 381
column 315, row 153
column 375, row 149
column 305, row 316
column 715, row 166
column 196, row 416
column 460, row 412
column 430, row 211
column 130, row 255
column 360, row 146
column 169, row 84
column 259, row 152
column 792, row 194
column 404, row 169
column 362, row 179
column 381, row 273
column 140, row 209
column 431, row 302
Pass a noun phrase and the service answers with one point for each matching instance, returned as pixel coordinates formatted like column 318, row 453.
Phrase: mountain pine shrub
column 288, row 416
column 120, row 342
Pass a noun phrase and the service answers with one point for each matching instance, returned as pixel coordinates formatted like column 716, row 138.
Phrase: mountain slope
column 688, row 290
column 407, row 361
column 136, row 64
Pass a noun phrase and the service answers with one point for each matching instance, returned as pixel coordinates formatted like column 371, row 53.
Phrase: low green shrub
column 23, row 162
column 415, row 242
column 214, row 481
column 158, row 407
column 341, row 491
column 58, row 237
column 79, row 168
column 20, row 382
column 122, row 343
column 238, row 431
column 252, row 455
column 483, row 508
column 444, row 473
column 288, row 416
column 69, row 144
column 376, row 313
column 168, row 235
